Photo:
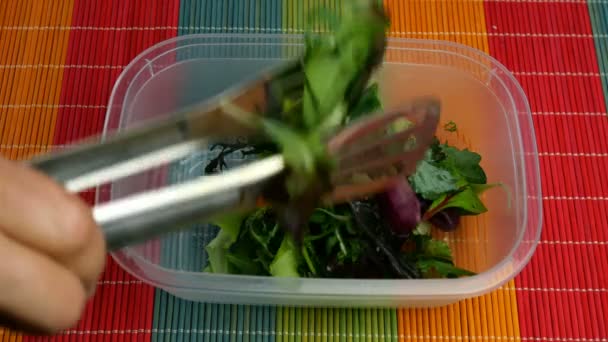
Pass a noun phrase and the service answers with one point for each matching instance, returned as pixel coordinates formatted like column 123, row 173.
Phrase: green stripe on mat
column 180, row 320
column 336, row 325
column 598, row 11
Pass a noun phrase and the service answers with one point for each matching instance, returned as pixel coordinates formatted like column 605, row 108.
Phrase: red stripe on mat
column 563, row 294
column 121, row 303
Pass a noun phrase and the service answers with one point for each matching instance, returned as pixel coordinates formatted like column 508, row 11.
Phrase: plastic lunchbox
column 477, row 93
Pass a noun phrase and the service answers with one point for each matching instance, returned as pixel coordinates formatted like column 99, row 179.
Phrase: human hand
column 51, row 252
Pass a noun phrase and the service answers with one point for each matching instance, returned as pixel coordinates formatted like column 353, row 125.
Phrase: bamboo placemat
column 60, row 59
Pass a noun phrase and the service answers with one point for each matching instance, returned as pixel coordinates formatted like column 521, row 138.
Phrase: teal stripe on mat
column 177, row 319
column 598, row 11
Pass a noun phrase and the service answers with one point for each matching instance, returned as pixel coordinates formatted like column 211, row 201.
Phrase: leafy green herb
column 434, row 258
column 466, row 200
column 464, row 164
column 367, row 215
column 451, row 179
column 450, row 127
column 431, row 181
column 432, row 268
column 331, row 239
column 253, row 251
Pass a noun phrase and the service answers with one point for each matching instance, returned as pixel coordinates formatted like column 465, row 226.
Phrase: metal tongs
column 369, row 157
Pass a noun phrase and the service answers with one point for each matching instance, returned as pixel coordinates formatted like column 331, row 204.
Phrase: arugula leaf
column 263, row 228
column 285, row 263
column 431, row 181
column 309, row 255
column 367, row 217
column 431, row 267
column 351, row 251
column 331, row 240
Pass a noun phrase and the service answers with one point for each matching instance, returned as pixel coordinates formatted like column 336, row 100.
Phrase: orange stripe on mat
column 29, row 86
column 489, row 317
column 31, row 73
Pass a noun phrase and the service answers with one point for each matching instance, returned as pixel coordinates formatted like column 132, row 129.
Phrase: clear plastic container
column 477, row 93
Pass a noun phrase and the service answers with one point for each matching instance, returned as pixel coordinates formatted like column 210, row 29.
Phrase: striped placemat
column 59, row 60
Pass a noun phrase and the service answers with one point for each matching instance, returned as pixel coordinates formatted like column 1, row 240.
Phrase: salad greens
column 386, row 236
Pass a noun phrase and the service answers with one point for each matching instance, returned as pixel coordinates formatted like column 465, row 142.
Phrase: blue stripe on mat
column 598, row 11
column 176, row 319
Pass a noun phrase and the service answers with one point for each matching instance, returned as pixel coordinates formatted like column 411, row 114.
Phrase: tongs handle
column 146, row 215
column 154, row 218
column 92, row 164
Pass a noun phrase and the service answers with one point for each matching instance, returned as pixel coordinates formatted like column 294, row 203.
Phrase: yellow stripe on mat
column 489, row 317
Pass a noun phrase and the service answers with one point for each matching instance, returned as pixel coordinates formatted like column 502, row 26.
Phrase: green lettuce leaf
column 285, row 263
column 217, row 249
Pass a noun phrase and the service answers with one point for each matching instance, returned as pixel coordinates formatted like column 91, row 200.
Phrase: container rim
column 469, row 286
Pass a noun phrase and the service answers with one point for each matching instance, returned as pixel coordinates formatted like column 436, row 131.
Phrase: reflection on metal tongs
column 146, row 215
